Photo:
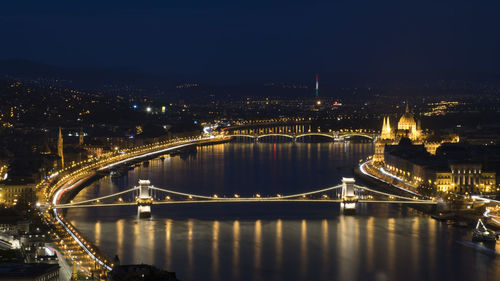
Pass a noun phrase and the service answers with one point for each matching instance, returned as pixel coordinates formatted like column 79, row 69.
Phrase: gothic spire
column 60, row 147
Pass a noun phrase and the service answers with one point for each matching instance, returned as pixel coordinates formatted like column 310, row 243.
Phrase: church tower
column 386, row 137
column 60, row 147
column 80, row 138
column 74, row 273
column 386, row 133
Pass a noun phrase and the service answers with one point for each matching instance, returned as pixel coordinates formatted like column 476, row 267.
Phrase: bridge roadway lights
column 336, row 137
column 144, row 201
column 349, row 197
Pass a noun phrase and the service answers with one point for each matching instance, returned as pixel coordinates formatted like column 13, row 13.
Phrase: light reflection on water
column 120, row 224
column 236, row 249
column 168, row 247
column 257, row 249
column 324, row 247
column 342, row 248
column 215, row 249
column 279, row 245
column 303, row 249
column 282, row 241
column 190, row 254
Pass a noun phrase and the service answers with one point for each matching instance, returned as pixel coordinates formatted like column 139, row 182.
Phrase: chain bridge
column 348, row 194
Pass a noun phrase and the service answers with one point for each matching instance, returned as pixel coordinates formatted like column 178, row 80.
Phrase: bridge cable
column 387, row 194
column 100, row 198
column 264, row 198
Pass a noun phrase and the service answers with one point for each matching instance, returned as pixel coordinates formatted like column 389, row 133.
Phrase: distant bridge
column 348, row 194
column 296, row 137
column 298, row 132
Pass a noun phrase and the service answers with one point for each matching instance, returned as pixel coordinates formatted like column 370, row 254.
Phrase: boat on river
column 443, row 216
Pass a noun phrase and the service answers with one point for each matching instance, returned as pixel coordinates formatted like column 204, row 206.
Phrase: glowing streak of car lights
column 362, row 169
column 56, row 197
column 487, row 200
column 49, row 250
column 494, row 220
column 151, row 153
column 389, row 174
column 6, row 243
column 64, row 189
column 492, row 217
column 80, row 242
column 486, row 213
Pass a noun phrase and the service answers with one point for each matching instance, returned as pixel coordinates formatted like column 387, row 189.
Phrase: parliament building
column 407, row 127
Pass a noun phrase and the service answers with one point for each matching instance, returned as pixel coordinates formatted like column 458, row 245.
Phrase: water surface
column 277, row 241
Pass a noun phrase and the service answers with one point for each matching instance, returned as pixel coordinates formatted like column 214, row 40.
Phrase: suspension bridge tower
column 349, row 197
column 144, row 200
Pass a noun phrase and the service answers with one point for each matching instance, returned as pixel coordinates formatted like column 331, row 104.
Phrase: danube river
column 277, row 241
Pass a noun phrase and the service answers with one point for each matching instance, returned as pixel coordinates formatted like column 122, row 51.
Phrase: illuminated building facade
column 11, row 194
column 470, row 177
column 447, row 171
column 464, row 178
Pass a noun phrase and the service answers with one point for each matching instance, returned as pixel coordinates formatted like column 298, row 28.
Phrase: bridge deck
column 298, row 135
column 249, row 200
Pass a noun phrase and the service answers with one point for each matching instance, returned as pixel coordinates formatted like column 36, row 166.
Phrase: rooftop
column 13, row 271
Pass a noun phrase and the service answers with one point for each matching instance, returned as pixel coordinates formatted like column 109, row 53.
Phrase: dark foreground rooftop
column 27, row 271
column 141, row 272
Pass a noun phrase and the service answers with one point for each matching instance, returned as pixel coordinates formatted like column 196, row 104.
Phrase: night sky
column 256, row 39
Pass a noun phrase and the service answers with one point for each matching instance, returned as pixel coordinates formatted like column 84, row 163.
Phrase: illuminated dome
column 407, row 122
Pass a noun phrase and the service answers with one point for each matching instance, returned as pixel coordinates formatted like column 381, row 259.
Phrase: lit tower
column 316, row 93
column 80, row 137
column 60, row 147
column 74, row 273
column 144, row 200
column 317, row 86
column 349, row 196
